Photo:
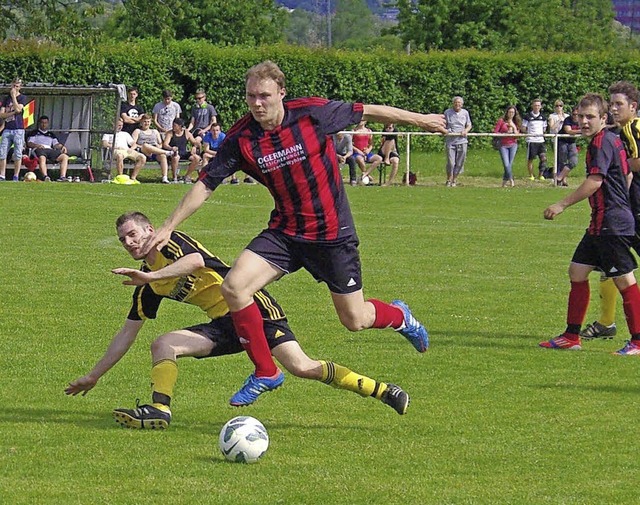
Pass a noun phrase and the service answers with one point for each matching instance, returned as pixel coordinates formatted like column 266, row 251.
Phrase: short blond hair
column 266, row 70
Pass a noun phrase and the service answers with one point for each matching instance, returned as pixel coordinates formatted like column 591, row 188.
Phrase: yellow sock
column 164, row 375
column 608, row 298
column 341, row 377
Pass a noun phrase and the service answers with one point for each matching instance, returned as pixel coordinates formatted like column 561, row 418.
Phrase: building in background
column 628, row 13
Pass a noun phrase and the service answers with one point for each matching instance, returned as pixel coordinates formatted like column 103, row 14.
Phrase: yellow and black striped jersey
column 201, row 288
column 630, row 136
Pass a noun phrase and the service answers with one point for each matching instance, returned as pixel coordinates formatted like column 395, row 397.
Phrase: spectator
column 363, row 150
column 211, row 142
column 344, row 150
column 389, row 152
column 165, row 112
column 48, row 148
column 567, row 148
column 13, row 133
column 459, row 123
column 510, row 122
column 130, row 112
column 123, row 150
column 148, row 141
column 556, row 120
column 203, row 117
column 177, row 140
column 535, row 123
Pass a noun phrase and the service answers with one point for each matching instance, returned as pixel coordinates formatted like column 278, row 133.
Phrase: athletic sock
column 577, row 306
column 387, row 315
column 164, row 375
column 249, row 327
column 608, row 297
column 631, row 305
column 341, row 377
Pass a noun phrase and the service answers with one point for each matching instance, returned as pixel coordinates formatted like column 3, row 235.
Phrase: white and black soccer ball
column 366, row 180
column 243, row 439
column 30, row 177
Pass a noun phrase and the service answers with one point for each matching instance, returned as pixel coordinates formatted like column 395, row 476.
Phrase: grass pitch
column 493, row 418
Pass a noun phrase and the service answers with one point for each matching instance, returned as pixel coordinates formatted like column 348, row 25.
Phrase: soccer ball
column 243, row 439
column 366, row 180
column 29, row 177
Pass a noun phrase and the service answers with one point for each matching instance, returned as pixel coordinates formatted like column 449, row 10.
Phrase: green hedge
column 424, row 82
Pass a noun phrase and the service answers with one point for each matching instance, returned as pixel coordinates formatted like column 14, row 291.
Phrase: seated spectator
column 130, row 112
column 147, row 140
column 567, row 148
column 211, row 142
column 389, row 152
column 203, row 117
column 165, row 112
column 177, row 140
column 363, row 149
column 344, row 151
column 48, row 148
column 123, row 150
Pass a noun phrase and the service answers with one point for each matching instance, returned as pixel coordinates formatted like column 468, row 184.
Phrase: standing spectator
column 123, row 150
column 534, row 123
column 510, row 122
column 567, row 148
column 13, row 133
column 130, row 112
column 178, row 140
column 203, row 117
column 555, row 121
column 148, row 141
column 389, row 151
column 459, row 123
column 606, row 244
column 363, row 150
column 165, row 112
column 344, row 151
column 48, row 148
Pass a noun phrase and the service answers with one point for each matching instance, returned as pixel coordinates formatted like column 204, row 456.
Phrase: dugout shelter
column 78, row 115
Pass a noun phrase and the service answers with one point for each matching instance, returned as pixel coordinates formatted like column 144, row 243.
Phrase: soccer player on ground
column 288, row 147
column 624, row 98
column 606, row 245
column 187, row 272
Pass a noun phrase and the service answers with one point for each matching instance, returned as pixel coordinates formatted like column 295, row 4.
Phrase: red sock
column 631, row 305
column 387, row 315
column 578, row 303
column 248, row 324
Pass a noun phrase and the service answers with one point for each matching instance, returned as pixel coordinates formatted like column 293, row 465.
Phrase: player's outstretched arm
column 589, row 186
column 386, row 114
column 118, row 347
column 184, row 266
column 191, row 201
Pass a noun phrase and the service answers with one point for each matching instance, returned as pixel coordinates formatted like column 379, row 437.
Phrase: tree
column 224, row 22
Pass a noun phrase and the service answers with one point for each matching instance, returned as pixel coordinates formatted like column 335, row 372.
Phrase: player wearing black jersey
column 288, row 147
column 185, row 271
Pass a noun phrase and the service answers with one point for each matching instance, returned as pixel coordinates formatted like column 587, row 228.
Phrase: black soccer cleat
column 396, row 398
column 143, row 417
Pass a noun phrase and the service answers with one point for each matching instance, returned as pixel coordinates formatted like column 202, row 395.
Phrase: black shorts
column 51, row 154
column 535, row 149
column 335, row 263
column 610, row 254
column 223, row 334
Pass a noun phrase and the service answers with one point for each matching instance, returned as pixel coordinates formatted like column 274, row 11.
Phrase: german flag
column 29, row 114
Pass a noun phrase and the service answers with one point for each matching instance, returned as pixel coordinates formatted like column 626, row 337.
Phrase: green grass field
column 493, row 418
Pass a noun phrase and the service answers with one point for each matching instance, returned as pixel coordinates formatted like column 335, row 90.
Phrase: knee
column 160, row 346
column 353, row 322
column 231, row 292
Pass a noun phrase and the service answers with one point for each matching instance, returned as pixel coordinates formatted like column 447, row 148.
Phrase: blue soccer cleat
column 254, row 387
column 631, row 348
column 413, row 329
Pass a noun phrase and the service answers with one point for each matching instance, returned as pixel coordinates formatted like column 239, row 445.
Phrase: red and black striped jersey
column 610, row 209
column 297, row 163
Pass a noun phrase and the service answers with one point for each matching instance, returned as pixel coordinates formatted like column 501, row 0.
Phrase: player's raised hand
column 136, row 277
column 433, row 123
column 82, row 385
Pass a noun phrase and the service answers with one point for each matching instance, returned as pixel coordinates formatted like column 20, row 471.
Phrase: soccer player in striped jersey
column 624, row 99
column 185, row 271
column 287, row 146
column 606, row 245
